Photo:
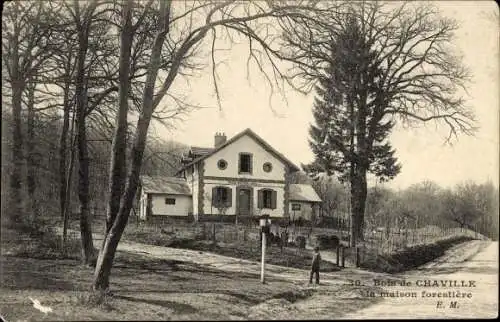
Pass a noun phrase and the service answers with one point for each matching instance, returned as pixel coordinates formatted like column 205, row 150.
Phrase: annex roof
column 303, row 192
column 257, row 138
column 165, row 185
column 197, row 150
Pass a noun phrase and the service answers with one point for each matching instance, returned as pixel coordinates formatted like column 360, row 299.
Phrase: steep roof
column 303, row 192
column 257, row 138
column 165, row 185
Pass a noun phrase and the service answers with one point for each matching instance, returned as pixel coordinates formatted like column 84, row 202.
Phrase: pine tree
column 349, row 134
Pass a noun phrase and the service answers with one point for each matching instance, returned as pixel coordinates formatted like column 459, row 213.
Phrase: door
column 149, row 206
column 244, row 201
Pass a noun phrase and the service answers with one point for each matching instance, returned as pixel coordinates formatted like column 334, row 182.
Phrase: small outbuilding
column 164, row 196
column 304, row 202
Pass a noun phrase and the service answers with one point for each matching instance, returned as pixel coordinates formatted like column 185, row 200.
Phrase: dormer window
column 245, row 163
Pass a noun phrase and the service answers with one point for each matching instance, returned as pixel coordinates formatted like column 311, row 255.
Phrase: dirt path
column 463, row 263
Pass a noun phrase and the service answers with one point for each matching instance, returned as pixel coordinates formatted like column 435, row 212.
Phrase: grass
column 189, row 236
column 289, row 257
column 198, row 237
column 250, row 250
column 38, row 241
column 34, row 265
column 143, row 288
column 148, row 288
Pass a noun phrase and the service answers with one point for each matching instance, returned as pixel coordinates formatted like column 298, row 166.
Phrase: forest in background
column 468, row 205
column 162, row 157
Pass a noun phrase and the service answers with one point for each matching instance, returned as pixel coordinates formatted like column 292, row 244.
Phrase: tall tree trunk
column 83, row 182
column 361, row 193
column 352, row 175
column 30, row 145
column 63, row 148
column 17, row 157
column 107, row 254
column 18, row 85
column 67, row 183
column 353, row 205
column 118, row 164
column 81, row 108
column 358, row 191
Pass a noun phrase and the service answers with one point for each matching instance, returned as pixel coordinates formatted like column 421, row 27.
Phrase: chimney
column 219, row 139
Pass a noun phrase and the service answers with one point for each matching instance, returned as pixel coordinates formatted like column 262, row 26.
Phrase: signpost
column 264, row 224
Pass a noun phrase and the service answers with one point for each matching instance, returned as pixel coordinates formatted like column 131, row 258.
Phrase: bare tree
column 30, row 146
column 64, row 65
column 181, row 28
column 420, row 78
column 25, row 48
column 93, row 81
column 82, row 17
column 469, row 204
column 333, row 197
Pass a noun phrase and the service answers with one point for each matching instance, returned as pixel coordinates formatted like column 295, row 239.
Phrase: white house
column 243, row 176
column 164, row 196
column 304, row 202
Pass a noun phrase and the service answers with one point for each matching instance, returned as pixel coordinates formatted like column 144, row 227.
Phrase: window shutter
column 274, row 196
column 250, row 161
column 260, row 199
column 214, row 196
column 229, row 202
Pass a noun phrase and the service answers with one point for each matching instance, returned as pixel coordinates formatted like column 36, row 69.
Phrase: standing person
column 315, row 266
column 284, row 239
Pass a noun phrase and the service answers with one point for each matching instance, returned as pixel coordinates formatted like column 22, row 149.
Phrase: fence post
column 338, row 255
column 236, row 224
column 213, row 234
column 343, row 255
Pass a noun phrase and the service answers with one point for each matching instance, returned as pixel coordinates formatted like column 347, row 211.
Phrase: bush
column 344, row 238
column 41, row 241
column 181, row 243
column 150, row 238
column 301, row 242
column 327, row 241
column 411, row 257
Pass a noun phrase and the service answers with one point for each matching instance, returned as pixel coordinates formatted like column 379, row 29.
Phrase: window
column 222, row 164
column 267, row 167
column 267, row 199
column 170, row 201
column 245, row 163
column 221, row 197
column 295, row 206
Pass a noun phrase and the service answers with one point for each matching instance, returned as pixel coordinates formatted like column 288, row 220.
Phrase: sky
column 422, row 151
